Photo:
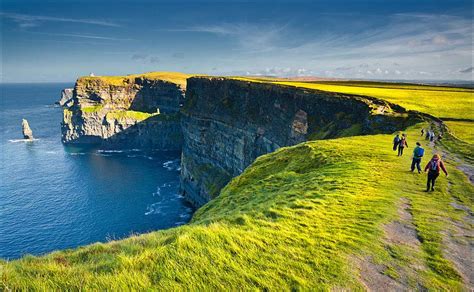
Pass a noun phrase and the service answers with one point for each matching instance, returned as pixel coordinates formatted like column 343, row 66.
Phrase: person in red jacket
column 434, row 167
column 402, row 144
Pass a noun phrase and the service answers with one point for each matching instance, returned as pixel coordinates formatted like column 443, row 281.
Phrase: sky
column 58, row 41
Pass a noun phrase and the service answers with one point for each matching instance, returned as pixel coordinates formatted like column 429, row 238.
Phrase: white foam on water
column 172, row 165
column 154, row 208
column 22, row 140
column 102, row 155
column 110, row 151
column 184, row 215
column 77, row 153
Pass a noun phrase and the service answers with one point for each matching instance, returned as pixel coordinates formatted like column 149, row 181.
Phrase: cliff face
column 221, row 126
column 135, row 112
column 228, row 123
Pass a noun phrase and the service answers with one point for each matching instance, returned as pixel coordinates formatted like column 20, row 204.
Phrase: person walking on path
column 396, row 141
column 418, row 153
column 434, row 166
column 402, row 144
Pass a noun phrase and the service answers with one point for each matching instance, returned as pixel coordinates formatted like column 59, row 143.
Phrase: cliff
column 221, row 125
column 228, row 123
column 135, row 111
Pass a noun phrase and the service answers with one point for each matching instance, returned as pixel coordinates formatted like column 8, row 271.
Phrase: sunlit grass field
column 442, row 102
column 463, row 130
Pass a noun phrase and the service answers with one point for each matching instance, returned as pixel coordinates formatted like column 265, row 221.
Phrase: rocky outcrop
column 66, row 97
column 26, row 130
column 124, row 113
column 228, row 123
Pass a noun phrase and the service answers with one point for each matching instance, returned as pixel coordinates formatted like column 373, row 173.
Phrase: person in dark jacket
column 418, row 153
column 396, row 141
column 402, row 144
column 434, row 167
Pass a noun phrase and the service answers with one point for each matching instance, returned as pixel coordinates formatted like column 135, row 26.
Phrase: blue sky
column 47, row 41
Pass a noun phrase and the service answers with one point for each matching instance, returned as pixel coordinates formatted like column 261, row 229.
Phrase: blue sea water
column 56, row 197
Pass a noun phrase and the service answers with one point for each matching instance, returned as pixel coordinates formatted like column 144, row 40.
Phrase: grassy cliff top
column 324, row 214
column 451, row 104
column 439, row 101
column 174, row 77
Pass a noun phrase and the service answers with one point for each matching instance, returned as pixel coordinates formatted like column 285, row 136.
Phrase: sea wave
column 172, row 165
column 111, row 151
column 22, row 140
column 154, row 209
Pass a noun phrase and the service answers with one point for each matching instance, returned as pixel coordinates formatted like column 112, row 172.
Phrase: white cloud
column 26, row 21
column 251, row 38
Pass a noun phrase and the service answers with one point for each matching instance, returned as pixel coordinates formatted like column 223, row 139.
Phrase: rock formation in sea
column 27, row 132
column 221, row 125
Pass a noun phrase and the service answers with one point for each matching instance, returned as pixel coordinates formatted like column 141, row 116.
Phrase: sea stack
column 27, row 132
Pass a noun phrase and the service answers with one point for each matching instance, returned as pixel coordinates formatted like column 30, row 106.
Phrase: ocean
column 56, row 197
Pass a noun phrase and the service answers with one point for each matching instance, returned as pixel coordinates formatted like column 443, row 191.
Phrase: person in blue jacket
column 418, row 153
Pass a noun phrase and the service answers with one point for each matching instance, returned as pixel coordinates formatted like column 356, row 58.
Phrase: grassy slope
column 296, row 218
column 463, row 130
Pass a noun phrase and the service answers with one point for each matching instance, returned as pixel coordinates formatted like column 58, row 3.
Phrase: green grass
column 173, row 77
column 296, row 218
column 128, row 114
column 443, row 102
column 92, row 109
column 463, row 130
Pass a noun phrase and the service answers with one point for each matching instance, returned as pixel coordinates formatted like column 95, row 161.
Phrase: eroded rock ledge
column 221, row 125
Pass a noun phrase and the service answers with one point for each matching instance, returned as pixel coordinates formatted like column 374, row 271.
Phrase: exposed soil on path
column 400, row 232
column 460, row 246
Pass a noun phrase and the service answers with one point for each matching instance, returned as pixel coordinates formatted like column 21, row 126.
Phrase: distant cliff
column 140, row 111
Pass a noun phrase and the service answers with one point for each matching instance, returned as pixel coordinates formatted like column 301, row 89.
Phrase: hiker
column 432, row 135
column 427, row 136
column 422, row 132
column 434, row 167
column 418, row 153
column 396, row 141
column 402, row 144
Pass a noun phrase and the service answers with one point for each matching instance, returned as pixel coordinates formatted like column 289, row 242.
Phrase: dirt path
column 460, row 246
column 401, row 233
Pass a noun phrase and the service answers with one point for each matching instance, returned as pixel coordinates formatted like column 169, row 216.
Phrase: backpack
column 420, row 152
column 396, row 140
column 434, row 165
